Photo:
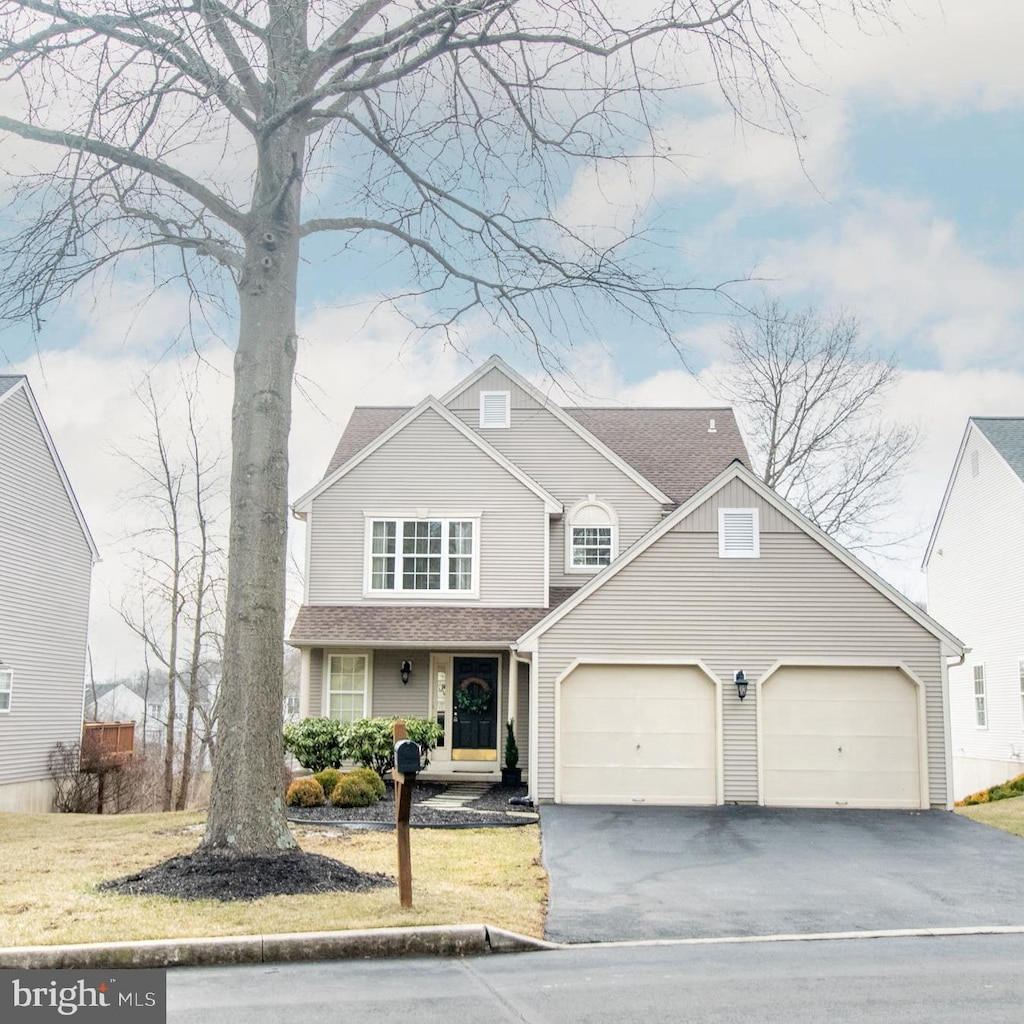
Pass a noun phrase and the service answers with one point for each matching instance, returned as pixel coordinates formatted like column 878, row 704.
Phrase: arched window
column 591, row 536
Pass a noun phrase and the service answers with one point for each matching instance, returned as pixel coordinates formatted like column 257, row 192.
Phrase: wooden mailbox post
column 407, row 764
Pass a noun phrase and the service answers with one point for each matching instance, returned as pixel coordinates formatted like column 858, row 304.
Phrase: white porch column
column 513, row 690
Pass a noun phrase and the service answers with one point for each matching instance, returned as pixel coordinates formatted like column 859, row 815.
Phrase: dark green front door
column 475, row 709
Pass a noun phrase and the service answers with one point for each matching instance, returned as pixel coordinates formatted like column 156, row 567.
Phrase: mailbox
column 407, row 757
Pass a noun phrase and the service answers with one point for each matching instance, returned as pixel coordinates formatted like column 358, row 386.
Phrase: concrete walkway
column 631, row 873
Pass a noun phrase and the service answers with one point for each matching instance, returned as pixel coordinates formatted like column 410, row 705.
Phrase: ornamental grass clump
column 305, row 792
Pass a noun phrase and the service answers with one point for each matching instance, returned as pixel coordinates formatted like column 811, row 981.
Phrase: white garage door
column 840, row 737
column 637, row 734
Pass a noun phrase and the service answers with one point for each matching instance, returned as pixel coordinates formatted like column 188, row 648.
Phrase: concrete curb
column 450, row 940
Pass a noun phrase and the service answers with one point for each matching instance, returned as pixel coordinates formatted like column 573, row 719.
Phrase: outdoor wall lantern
column 741, row 683
column 405, row 672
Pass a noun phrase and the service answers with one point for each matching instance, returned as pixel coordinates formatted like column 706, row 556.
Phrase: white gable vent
column 738, row 533
column 494, row 409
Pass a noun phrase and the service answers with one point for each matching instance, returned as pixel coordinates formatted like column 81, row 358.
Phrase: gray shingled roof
column 1007, row 436
column 7, row 382
column 671, row 448
column 380, row 624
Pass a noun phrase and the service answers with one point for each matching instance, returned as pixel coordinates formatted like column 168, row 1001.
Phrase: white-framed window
column 6, row 688
column 1020, row 676
column 591, row 536
column 495, row 410
column 347, row 686
column 739, row 533
column 424, row 557
column 980, row 698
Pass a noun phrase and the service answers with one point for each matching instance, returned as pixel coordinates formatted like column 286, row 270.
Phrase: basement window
column 738, row 533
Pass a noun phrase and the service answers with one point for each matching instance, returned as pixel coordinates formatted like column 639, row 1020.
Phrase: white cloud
column 909, row 275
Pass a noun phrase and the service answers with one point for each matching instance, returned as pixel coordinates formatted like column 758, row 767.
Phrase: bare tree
column 443, row 132
column 178, row 556
column 812, row 398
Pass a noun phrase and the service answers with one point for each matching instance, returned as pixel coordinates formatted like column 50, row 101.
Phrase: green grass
column 1007, row 815
column 53, row 862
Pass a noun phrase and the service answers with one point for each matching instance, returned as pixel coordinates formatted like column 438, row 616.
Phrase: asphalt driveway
column 621, row 873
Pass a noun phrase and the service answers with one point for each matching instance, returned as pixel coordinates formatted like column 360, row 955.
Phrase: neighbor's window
column 980, row 700
column 346, row 687
column 591, row 537
column 738, row 533
column 422, row 556
column 6, row 686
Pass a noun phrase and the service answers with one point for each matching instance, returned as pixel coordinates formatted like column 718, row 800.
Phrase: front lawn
column 1005, row 814
column 52, row 863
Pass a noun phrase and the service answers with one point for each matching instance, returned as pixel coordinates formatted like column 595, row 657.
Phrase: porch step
column 457, row 795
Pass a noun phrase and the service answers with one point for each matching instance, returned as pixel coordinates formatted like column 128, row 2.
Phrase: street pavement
column 927, row 980
column 659, row 872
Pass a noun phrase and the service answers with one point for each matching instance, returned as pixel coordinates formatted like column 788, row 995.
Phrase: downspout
column 946, row 666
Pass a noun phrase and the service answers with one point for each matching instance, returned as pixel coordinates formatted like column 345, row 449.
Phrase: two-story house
column 46, row 560
column 659, row 626
column 975, row 570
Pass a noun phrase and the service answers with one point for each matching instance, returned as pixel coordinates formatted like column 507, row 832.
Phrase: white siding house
column 975, row 571
column 46, row 559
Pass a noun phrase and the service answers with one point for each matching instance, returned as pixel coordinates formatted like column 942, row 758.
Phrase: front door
column 475, row 709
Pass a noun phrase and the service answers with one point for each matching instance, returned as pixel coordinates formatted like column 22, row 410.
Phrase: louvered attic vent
column 494, row 409
column 738, row 533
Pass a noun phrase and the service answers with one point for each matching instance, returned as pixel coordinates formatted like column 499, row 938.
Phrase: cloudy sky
column 903, row 206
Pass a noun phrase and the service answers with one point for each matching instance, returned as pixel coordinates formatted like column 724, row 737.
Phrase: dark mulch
column 216, row 876
column 489, row 810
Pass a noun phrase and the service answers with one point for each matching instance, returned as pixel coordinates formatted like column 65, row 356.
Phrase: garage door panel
column 840, row 736
column 863, row 718
column 661, row 786
column 638, row 734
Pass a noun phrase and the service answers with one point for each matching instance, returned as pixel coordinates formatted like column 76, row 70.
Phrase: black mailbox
column 407, row 757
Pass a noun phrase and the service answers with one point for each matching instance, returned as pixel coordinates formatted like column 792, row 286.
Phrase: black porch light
column 405, row 672
column 741, row 683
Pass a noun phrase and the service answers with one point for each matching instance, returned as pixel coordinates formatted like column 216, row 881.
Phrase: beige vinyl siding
column 45, row 571
column 390, row 698
column 406, row 475
column 736, row 494
column 680, row 600
column 468, row 401
column 976, row 590
column 316, row 682
column 564, row 464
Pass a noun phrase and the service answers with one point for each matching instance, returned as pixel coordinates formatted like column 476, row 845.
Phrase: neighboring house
column 114, row 702
column 975, row 570
column 601, row 576
column 46, row 559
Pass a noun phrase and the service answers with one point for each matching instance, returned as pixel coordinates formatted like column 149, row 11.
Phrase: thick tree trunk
column 247, row 812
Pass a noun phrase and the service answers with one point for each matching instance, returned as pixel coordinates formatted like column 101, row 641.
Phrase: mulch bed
column 489, row 810
column 218, row 876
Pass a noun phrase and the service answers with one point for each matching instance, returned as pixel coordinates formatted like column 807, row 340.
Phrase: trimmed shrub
column 328, row 778
column 305, row 792
column 316, row 743
column 370, row 741
column 354, row 790
column 373, row 780
column 1004, row 791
